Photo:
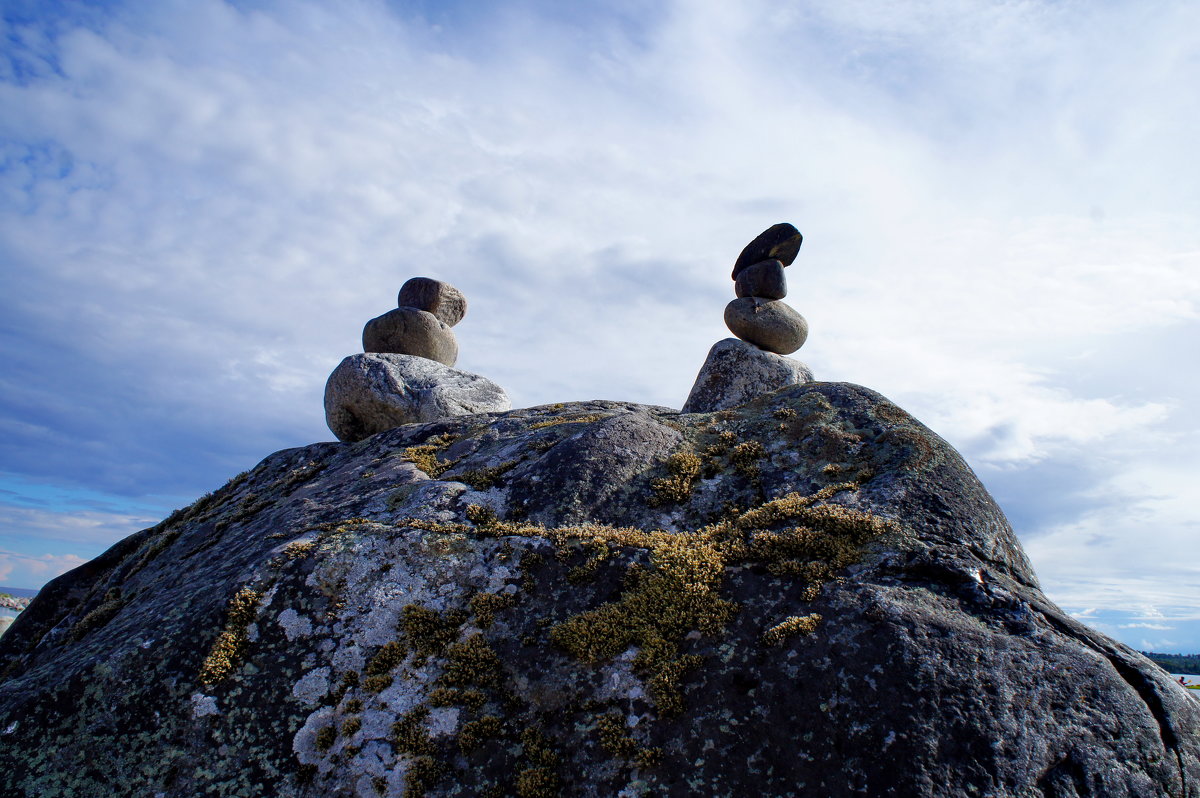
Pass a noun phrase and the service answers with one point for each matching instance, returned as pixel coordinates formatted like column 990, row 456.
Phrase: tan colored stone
column 408, row 331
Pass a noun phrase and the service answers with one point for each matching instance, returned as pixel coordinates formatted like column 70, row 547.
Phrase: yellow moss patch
column 790, row 627
column 684, row 469
column 225, row 653
column 475, row 732
column 425, row 456
column 486, row 605
column 556, row 420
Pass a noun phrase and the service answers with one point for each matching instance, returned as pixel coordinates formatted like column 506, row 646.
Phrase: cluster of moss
column 226, row 651
column 484, row 478
column 615, row 738
column 794, row 535
column 486, row 605
column 98, row 617
column 425, row 456
column 554, row 421
column 683, row 469
column 790, row 627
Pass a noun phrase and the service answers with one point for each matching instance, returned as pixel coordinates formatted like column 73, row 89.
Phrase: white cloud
column 199, row 214
column 35, row 570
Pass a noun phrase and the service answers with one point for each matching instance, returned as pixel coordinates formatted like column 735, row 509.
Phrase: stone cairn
column 421, row 323
column 739, row 371
column 404, row 374
column 758, row 315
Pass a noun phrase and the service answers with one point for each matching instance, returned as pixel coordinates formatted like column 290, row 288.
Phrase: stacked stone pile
column 404, row 374
column 738, row 371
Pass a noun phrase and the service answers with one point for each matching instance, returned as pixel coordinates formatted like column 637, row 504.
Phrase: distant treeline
column 1175, row 663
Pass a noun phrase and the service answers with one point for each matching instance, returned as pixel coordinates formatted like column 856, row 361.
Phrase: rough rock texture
column 779, row 242
column 409, row 331
column 768, row 324
column 810, row 595
column 373, row 392
column 764, row 280
column 736, row 373
column 441, row 299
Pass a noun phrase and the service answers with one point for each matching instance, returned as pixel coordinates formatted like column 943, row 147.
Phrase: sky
column 202, row 202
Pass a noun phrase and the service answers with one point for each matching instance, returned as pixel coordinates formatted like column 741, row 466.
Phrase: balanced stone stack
column 404, row 375
column 739, row 371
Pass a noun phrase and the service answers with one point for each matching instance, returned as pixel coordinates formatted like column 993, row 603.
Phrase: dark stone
column 764, row 280
column 434, row 296
column 811, row 594
column 779, row 242
column 767, row 323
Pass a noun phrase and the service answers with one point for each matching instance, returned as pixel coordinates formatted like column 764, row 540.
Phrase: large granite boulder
column 372, row 392
column 808, row 595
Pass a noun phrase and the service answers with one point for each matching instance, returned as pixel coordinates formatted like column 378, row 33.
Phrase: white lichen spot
column 294, row 624
column 443, row 721
column 312, row 686
column 12, row 727
column 203, row 705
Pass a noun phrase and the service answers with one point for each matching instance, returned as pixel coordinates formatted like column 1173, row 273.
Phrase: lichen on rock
column 593, row 599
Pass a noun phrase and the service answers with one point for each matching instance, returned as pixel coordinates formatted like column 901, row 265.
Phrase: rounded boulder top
column 434, row 296
column 779, row 242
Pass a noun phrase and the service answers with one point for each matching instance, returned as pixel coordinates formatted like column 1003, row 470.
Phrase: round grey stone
column 433, row 296
column 736, row 373
column 779, row 242
column 767, row 323
column 409, row 331
column 764, row 279
column 372, row 392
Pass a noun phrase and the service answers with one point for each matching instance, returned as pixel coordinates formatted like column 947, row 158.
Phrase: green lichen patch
column 227, row 650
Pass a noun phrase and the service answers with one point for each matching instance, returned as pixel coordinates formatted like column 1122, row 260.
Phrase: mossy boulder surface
column 808, row 595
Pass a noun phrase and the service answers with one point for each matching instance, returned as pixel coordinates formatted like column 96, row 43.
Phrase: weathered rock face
column 737, row 372
column 809, row 595
column 369, row 393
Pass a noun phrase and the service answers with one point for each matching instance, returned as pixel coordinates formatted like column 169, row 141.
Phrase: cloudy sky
column 202, row 201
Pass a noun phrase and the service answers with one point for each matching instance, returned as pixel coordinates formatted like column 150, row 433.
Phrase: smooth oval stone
column 779, row 242
column 767, row 323
column 410, row 331
column 763, row 280
column 433, row 296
